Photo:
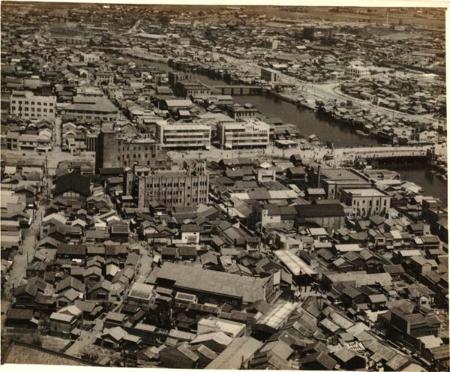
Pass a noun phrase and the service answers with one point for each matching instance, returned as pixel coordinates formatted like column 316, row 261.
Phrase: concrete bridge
column 384, row 153
column 238, row 90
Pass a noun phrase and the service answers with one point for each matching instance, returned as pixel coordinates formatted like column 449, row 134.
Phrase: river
column 327, row 130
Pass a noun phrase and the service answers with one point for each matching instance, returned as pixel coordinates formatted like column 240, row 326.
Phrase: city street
column 26, row 252
column 21, row 260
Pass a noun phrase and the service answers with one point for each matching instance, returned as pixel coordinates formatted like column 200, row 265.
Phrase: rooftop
column 190, row 277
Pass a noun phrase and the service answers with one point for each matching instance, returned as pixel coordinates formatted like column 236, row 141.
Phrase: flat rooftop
column 364, row 192
column 342, row 174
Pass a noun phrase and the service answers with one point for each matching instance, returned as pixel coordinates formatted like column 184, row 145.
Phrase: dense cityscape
column 224, row 187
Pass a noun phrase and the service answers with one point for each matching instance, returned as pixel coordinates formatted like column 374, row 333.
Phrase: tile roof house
column 72, row 186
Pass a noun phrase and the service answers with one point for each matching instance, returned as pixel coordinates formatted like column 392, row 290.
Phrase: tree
column 164, row 19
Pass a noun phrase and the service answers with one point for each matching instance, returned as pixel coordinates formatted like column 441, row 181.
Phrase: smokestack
column 318, row 177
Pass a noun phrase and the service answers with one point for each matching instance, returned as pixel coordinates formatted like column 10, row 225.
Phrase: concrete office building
column 357, row 70
column 365, row 202
column 272, row 76
column 183, row 136
column 113, row 151
column 333, row 180
column 241, row 135
column 192, row 89
column 91, row 108
column 175, row 77
column 184, row 187
column 104, row 77
column 238, row 111
column 26, row 105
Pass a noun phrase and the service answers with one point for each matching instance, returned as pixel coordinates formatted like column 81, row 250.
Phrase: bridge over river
column 384, row 152
column 334, row 157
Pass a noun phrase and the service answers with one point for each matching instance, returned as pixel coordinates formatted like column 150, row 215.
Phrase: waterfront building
column 365, row 202
column 175, row 77
column 270, row 75
column 238, row 111
column 183, row 136
column 241, row 135
column 27, row 105
column 191, row 89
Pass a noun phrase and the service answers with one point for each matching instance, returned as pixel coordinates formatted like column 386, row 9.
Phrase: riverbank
column 326, row 128
column 386, row 125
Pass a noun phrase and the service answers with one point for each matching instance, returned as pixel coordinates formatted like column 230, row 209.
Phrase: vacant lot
column 19, row 354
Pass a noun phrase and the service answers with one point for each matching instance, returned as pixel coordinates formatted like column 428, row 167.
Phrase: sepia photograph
column 224, row 186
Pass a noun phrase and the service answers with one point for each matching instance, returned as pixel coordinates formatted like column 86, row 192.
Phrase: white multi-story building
column 357, row 70
column 90, row 57
column 247, row 134
column 365, row 202
column 26, row 105
column 183, row 136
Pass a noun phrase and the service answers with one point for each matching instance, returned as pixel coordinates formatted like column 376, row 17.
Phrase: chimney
column 318, row 177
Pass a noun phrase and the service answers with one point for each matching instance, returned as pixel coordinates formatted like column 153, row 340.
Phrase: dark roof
column 393, row 269
column 70, row 282
column 320, row 210
column 190, row 228
column 110, row 171
column 19, row 314
column 321, row 358
column 72, row 183
column 188, row 251
column 296, row 171
column 72, row 250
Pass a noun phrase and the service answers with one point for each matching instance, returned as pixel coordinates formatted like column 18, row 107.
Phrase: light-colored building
column 26, row 105
column 78, row 138
column 92, row 108
column 183, row 136
column 334, row 180
column 358, row 70
column 41, row 142
column 365, row 202
column 238, row 111
column 90, row 57
column 240, row 135
column 104, row 77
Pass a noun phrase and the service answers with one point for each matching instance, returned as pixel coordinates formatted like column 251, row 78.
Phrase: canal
column 326, row 129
